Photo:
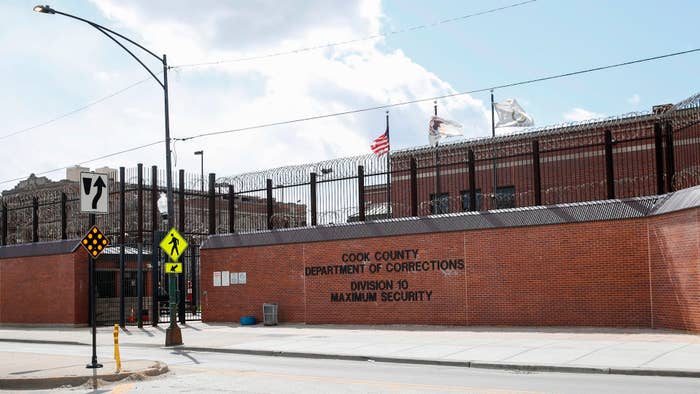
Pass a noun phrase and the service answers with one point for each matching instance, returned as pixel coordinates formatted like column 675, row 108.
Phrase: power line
column 495, row 87
column 413, row 28
column 88, row 161
column 339, row 43
column 84, row 107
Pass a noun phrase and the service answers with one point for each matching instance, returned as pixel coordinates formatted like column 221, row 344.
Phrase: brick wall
column 623, row 273
column 44, row 290
column 674, row 266
column 587, row 274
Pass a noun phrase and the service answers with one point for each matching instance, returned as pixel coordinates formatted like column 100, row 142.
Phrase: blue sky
column 53, row 65
column 551, row 37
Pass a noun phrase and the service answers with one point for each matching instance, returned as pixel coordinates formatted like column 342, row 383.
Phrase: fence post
column 139, row 203
column 537, row 183
column 64, row 216
column 4, row 223
column 155, row 270
column 139, row 240
column 314, row 212
column 122, row 225
column 231, row 212
column 609, row 173
column 35, row 219
column 472, row 180
column 414, row 187
column 181, row 202
column 659, row 150
column 361, row 191
column 181, row 225
column 212, row 203
column 270, row 207
column 670, row 160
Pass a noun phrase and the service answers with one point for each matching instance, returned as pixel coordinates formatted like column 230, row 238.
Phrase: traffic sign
column 173, row 244
column 94, row 192
column 173, row 268
column 94, row 242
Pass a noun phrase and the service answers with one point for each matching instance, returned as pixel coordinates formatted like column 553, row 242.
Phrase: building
column 622, row 157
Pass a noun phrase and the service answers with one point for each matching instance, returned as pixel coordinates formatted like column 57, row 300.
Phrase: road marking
column 388, row 385
column 123, row 388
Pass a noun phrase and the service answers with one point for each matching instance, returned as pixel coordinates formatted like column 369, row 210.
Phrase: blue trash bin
column 248, row 320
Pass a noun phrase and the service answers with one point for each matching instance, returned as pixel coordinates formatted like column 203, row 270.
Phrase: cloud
column 580, row 114
column 634, row 99
column 233, row 95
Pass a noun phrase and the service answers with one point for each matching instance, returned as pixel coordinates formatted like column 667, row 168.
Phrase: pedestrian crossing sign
column 173, row 244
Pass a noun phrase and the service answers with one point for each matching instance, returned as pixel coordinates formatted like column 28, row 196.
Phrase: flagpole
column 495, row 168
column 388, row 169
column 437, row 202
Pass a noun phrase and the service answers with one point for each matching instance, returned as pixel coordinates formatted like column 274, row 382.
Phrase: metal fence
column 628, row 156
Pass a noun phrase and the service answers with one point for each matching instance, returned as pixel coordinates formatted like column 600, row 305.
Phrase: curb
column 323, row 356
column 463, row 364
column 158, row 368
column 43, row 342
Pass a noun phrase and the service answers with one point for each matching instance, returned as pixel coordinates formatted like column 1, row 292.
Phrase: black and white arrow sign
column 94, row 192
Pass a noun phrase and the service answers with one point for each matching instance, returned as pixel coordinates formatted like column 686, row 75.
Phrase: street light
column 173, row 336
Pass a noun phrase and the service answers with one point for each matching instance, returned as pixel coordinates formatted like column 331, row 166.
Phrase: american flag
column 380, row 145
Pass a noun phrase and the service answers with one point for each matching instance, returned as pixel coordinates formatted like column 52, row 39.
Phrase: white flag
column 439, row 128
column 511, row 114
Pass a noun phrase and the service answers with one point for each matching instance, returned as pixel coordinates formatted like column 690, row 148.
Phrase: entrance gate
column 153, row 283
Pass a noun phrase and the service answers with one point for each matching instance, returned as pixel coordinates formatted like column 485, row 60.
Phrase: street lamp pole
column 173, row 335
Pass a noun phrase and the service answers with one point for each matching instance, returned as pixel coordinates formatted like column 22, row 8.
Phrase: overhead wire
column 298, row 50
column 486, row 89
column 339, row 43
column 84, row 107
column 495, row 87
column 89, row 161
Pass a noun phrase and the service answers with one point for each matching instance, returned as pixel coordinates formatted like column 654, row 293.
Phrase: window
column 505, row 197
column 439, row 203
column 465, row 200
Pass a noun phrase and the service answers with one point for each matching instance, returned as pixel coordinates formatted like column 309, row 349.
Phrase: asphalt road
column 217, row 372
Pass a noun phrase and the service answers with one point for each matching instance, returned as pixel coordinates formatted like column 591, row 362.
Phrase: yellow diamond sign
column 173, row 268
column 173, row 244
column 94, row 242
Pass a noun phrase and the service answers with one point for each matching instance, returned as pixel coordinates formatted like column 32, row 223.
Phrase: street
column 221, row 372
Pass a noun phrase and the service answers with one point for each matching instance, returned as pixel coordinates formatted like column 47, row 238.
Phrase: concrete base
column 173, row 336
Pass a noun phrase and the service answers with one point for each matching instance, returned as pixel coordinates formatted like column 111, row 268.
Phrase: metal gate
column 115, row 286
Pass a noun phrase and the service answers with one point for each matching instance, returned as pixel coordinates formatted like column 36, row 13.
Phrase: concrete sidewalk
column 586, row 350
column 27, row 371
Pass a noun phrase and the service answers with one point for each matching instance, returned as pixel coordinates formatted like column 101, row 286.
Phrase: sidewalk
column 566, row 349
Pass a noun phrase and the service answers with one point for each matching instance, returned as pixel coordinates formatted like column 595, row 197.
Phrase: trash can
column 270, row 314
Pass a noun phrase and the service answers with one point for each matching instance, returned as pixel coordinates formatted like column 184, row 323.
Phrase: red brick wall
column 675, row 270
column 586, row 274
column 44, row 290
column 274, row 274
column 623, row 273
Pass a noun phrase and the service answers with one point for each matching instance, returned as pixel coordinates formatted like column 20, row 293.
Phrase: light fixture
column 44, row 9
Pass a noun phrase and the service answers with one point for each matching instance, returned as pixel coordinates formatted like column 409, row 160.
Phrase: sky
column 65, row 102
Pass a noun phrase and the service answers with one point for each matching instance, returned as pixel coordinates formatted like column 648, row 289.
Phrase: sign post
column 94, row 243
column 174, row 245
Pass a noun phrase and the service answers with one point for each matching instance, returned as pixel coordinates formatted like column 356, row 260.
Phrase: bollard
column 116, row 348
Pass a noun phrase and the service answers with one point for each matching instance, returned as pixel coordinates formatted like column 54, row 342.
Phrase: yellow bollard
column 116, row 347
